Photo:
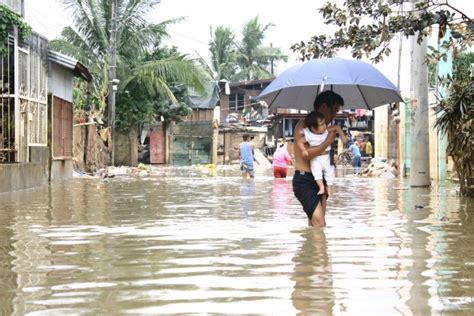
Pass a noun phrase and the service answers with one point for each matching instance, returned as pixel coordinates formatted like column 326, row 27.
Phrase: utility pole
column 113, row 82
column 420, row 150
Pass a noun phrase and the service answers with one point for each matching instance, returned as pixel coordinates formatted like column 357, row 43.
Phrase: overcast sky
column 294, row 21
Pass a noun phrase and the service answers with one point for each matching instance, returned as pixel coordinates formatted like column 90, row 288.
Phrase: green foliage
column 253, row 58
column 367, row 27
column 9, row 19
column 145, row 69
column 133, row 110
column 432, row 73
column 248, row 59
column 143, row 99
column 174, row 111
column 138, row 109
column 455, row 118
column 223, row 53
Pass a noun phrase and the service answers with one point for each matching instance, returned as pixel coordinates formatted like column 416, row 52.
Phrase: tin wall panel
column 62, row 128
column 157, row 147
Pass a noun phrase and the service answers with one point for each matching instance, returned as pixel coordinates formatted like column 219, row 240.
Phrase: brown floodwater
column 194, row 240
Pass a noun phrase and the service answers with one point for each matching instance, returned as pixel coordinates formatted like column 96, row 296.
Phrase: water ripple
column 187, row 242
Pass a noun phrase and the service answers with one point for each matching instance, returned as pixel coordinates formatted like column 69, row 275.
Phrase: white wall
column 61, row 82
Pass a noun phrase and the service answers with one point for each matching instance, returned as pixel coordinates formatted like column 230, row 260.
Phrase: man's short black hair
column 311, row 120
column 330, row 98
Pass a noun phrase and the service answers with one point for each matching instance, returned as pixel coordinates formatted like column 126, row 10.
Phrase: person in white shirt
column 315, row 133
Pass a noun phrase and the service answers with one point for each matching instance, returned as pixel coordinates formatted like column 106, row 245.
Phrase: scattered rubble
column 143, row 170
column 380, row 168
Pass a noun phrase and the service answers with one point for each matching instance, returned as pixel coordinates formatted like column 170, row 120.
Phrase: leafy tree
column 368, row 26
column 456, row 120
column 88, row 41
column 252, row 57
column 140, row 103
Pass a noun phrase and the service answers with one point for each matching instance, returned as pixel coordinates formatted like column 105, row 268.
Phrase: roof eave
column 65, row 61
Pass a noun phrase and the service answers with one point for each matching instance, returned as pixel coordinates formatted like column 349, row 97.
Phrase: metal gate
column 191, row 150
column 23, row 94
column 7, row 106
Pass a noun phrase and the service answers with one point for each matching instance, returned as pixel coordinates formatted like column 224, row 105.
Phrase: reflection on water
column 282, row 193
column 313, row 276
column 197, row 241
column 247, row 197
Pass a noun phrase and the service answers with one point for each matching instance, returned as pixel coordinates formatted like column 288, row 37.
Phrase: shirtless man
column 328, row 104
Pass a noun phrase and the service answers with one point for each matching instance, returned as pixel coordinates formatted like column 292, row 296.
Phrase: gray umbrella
column 360, row 84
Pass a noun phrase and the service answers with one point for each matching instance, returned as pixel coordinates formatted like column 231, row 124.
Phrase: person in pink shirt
column 281, row 159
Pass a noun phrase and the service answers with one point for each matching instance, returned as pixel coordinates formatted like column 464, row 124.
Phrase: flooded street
column 191, row 241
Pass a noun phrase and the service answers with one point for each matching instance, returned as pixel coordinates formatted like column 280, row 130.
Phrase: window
column 236, row 101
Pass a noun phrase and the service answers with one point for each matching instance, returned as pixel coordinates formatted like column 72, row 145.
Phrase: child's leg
column 316, row 169
column 321, row 186
column 328, row 171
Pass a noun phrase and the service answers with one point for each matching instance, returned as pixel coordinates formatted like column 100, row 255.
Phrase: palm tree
column 253, row 58
column 223, row 53
column 145, row 99
column 88, row 41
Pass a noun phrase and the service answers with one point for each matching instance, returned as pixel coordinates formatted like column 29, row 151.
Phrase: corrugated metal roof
column 70, row 63
column 250, row 83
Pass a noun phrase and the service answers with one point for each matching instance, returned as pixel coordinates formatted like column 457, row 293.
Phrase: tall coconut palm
column 223, row 53
column 253, row 58
column 88, row 41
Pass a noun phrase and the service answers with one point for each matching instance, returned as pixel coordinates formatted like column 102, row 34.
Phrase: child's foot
column 321, row 191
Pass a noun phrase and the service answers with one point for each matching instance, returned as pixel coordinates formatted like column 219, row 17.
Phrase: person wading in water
column 305, row 189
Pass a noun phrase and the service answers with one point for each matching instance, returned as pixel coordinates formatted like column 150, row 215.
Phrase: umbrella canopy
column 360, row 84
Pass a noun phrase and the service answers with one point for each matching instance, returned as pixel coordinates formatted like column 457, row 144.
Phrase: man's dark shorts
column 306, row 191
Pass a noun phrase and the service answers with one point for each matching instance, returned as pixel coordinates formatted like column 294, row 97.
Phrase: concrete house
column 62, row 72
column 35, row 111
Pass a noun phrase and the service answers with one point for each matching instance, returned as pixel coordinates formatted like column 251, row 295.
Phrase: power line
column 190, row 38
column 36, row 17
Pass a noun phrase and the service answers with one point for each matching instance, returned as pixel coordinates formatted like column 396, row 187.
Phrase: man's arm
column 316, row 150
column 343, row 136
column 301, row 143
